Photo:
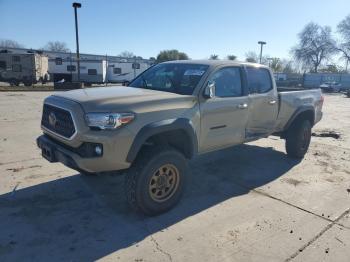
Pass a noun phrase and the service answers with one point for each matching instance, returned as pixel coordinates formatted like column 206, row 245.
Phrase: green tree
column 231, row 57
column 127, row 54
column 315, row 46
column 214, row 57
column 169, row 55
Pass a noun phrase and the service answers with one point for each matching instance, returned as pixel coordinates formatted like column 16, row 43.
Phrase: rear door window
column 227, row 82
column 259, row 80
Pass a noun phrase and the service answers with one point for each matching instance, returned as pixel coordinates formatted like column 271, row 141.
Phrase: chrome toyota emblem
column 52, row 119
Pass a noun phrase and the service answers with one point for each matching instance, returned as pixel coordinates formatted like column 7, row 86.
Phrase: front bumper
column 54, row 151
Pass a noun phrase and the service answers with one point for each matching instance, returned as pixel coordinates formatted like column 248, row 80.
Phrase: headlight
column 108, row 120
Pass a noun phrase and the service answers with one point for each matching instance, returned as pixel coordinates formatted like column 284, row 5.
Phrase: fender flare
column 160, row 127
column 298, row 112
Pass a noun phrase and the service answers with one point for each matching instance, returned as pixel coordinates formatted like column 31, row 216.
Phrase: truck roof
column 215, row 62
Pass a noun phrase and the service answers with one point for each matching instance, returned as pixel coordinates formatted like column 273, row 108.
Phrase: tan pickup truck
column 166, row 116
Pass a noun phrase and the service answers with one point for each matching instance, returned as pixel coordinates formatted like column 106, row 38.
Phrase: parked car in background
column 330, row 87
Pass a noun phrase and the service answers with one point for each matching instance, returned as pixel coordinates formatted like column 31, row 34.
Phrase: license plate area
column 48, row 152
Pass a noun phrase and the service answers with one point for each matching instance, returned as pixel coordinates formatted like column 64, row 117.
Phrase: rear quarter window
column 259, row 80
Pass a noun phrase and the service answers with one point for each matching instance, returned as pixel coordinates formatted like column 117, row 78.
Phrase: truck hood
column 122, row 98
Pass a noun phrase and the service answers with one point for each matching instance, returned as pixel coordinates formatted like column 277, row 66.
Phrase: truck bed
column 292, row 99
column 287, row 89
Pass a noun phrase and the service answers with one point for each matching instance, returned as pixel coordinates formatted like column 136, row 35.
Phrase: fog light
column 98, row 150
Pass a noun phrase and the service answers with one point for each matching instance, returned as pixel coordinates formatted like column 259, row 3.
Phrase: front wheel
column 298, row 139
column 155, row 182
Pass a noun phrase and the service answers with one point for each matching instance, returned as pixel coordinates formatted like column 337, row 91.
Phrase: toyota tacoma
column 166, row 116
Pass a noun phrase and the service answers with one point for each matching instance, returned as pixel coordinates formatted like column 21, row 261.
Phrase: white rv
column 28, row 68
column 124, row 71
column 91, row 71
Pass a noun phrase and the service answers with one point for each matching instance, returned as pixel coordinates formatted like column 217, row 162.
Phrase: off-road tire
column 138, row 179
column 298, row 139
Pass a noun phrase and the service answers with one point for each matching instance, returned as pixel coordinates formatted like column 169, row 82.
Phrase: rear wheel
column 298, row 139
column 154, row 184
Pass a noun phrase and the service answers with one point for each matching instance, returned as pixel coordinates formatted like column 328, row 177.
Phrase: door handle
column 272, row 102
column 243, row 106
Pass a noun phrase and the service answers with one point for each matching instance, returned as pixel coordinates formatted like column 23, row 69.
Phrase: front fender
column 163, row 126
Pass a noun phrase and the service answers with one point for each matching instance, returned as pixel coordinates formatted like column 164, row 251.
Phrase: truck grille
column 58, row 121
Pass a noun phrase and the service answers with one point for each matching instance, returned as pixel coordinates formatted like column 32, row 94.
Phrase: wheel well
column 177, row 139
column 306, row 115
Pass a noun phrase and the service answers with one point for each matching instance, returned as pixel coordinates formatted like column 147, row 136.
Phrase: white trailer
column 124, row 71
column 27, row 68
column 91, row 71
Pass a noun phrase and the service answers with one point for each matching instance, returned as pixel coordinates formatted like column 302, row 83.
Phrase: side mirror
column 209, row 90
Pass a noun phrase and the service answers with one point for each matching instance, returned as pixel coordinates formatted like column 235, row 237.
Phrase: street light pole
column 261, row 43
column 77, row 5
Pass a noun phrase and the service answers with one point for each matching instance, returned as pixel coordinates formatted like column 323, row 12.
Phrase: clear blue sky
column 199, row 28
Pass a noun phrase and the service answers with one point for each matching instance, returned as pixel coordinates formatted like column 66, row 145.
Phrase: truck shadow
column 87, row 218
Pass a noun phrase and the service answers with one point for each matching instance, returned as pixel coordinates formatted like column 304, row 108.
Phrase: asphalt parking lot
column 248, row 203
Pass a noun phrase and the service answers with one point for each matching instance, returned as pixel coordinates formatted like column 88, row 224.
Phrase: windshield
column 176, row 78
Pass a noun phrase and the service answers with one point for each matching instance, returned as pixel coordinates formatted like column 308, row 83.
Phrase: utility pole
column 261, row 43
column 77, row 5
column 106, row 69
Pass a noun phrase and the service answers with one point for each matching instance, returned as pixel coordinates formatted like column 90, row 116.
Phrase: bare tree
column 332, row 68
column 344, row 46
column 56, row 46
column 253, row 57
column 7, row 43
column 287, row 66
column 214, row 57
column 127, row 54
column 315, row 46
column 344, row 28
column 275, row 64
column 231, row 57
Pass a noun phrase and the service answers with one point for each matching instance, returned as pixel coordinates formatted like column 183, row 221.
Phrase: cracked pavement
column 247, row 203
